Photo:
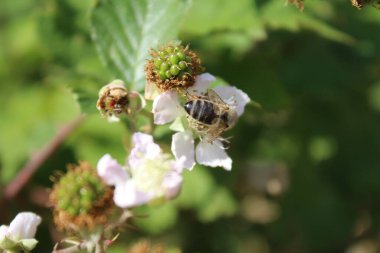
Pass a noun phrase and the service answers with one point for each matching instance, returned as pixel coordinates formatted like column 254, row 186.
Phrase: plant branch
column 72, row 249
column 37, row 159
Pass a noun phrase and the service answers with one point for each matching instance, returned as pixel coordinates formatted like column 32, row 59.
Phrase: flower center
column 149, row 176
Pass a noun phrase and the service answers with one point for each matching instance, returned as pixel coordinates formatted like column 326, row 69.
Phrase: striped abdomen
column 201, row 110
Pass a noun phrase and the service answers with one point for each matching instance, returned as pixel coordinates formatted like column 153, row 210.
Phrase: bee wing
column 214, row 97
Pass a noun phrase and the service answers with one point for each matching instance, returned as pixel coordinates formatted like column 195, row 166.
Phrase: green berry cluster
column 77, row 192
column 172, row 62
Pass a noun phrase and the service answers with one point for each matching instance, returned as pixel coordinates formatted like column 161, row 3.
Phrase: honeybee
column 209, row 115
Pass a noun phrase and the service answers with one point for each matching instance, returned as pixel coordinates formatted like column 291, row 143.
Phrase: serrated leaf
column 125, row 30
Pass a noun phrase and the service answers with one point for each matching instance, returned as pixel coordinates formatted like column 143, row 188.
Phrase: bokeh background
column 306, row 173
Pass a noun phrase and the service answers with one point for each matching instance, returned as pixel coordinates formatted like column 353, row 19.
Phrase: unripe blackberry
column 80, row 198
column 173, row 67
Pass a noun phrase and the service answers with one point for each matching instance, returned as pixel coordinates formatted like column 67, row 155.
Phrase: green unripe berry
column 169, row 50
column 174, row 59
column 175, row 70
column 164, row 66
column 157, row 63
column 182, row 65
column 161, row 54
column 162, row 75
column 187, row 59
column 181, row 56
column 176, row 49
column 168, row 74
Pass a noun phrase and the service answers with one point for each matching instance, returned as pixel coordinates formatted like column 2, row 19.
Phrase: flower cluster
column 196, row 110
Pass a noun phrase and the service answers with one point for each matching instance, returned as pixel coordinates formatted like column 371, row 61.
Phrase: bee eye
column 224, row 117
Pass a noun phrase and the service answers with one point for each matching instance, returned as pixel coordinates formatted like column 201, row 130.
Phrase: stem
column 72, row 249
column 14, row 187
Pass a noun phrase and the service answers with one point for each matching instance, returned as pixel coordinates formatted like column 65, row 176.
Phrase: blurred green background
column 306, row 173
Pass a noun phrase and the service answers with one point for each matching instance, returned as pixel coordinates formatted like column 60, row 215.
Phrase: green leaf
column 124, row 32
column 277, row 16
column 158, row 218
column 220, row 204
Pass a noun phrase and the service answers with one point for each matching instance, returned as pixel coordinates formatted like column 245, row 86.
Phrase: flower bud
column 114, row 100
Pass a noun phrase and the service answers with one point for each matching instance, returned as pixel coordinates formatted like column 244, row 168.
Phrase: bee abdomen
column 201, row 110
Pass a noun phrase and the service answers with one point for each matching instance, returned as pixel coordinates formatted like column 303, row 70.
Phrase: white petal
column 233, row 96
column 202, row 83
column 24, row 225
column 143, row 148
column 172, row 183
column 183, row 148
column 126, row 195
column 110, row 171
column 166, row 108
column 213, row 155
column 3, row 232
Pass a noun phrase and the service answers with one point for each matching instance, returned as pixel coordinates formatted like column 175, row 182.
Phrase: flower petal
column 126, row 195
column 233, row 96
column 172, row 183
column 143, row 148
column 3, row 232
column 183, row 148
column 202, row 83
column 166, row 108
column 110, row 171
column 24, row 226
column 213, row 155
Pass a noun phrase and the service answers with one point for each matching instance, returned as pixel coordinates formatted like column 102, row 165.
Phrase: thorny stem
column 72, row 249
column 123, row 218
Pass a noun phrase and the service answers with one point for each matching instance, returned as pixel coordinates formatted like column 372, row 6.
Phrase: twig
column 71, row 249
column 13, row 188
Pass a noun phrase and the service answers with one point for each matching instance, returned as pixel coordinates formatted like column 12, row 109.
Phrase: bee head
column 230, row 118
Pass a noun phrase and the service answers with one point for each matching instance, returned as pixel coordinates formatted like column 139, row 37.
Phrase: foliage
column 310, row 152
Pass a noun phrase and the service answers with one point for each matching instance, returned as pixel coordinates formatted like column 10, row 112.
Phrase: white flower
column 166, row 108
column 20, row 233
column 149, row 174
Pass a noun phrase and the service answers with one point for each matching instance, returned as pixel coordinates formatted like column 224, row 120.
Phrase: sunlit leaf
column 124, row 31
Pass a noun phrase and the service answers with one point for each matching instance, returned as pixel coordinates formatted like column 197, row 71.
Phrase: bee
column 209, row 115
column 113, row 99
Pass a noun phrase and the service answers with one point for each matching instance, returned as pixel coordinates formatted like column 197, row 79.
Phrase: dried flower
column 80, row 199
column 172, row 68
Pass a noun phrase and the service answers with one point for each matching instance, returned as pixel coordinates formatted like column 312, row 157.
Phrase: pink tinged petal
column 213, row 155
column 126, row 195
column 3, row 232
column 233, row 96
column 166, row 108
column 110, row 171
column 202, row 83
column 143, row 148
column 24, row 226
column 183, row 149
column 172, row 184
